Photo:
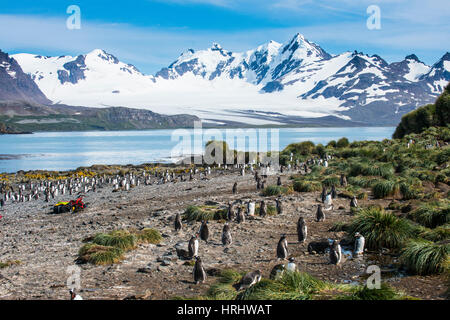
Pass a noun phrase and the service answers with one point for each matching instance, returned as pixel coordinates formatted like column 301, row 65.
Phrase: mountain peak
column 216, row 47
column 103, row 55
column 412, row 57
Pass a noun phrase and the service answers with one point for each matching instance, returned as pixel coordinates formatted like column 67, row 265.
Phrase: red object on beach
column 1, row 216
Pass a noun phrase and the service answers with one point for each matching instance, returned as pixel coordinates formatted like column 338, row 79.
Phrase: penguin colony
column 50, row 190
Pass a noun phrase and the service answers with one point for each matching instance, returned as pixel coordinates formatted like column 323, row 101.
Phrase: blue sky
column 152, row 33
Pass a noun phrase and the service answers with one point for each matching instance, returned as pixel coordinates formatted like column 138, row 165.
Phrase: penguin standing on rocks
column 263, row 209
column 234, row 188
column 279, row 181
column 240, row 217
column 323, row 195
column 251, row 208
column 320, row 216
column 282, row 251
column 230, row 214
column 226, row 235
column 333, row 192
column 258, row 184
column 359, row 244
column 343, row 181
column 199, row 271
column 335, row 253
column 279, row 206
column 193, row 246
column 353, row 203
column 2, row 203
column 302, row 230
column 250, row 279
column 204, row 231
column 178, row 224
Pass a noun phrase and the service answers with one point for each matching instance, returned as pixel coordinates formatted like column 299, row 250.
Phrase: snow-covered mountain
column 274, row 83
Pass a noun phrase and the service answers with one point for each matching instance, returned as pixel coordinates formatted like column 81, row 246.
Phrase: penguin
column 279, row 206
column 250, row 279
column 343, row 181
column 226, row 235
column 277, row 271
column 335, row 253
column 333, row 192
column 240, row 217
column 204, row 231
column 291, row 266
column 320, row 216
column 302, row 230
column 199, row 271
column 74, row 296
column 230, row 214
column 328, row 202
column 258, row 184
column 353, row 203
column 234, row 188
column 359, row 244
column 193, row 246
column 323, row 195
column 263, row 209
column 2, row 203
column 282, row 252
column 178, row 224
column 279, row 181
column 251, row 208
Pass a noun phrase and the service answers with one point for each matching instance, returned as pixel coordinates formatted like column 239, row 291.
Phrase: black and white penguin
column 193, row 246
column 333, row 192
column 302, row 230
column 250, row 279
column 291, row 266
column 226, row 235
column 263, row 209
column 277, row 271
column 204, row 231
column 240, row 217
column 343, row 181
column 323, row 195
column 353, row 203
column 359, row 244
column 282, row 251
column 234, row 188
column 2, row 203
column 178, row 224
column 320, row 216
column 258, row 184
column 335, row 253
column 279, row 181
column 279, row 205
column 74, row 295
column 199, row 271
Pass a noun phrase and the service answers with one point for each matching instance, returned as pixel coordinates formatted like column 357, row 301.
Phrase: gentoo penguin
column 328, row 202
column 359, row 244
column 234, row 188
column 226, row 235
column 277, row 271
column 230, row 214
column 279, row 206
column 2, row 203
column 199, row 271
column 251, row 208
column 74, row 296
column 258, row 184
column 250, row 279
column 193, row 246
column 282, row 252
column 333, row 192
column 353, row 203
column 263, row 209
column 291, row 266
column 302, row 230
column 320, row 216
column 178, row 224
column 335, row 253
column 323, row 195
column 279, row 181
column 204, row 231
column 240, row 217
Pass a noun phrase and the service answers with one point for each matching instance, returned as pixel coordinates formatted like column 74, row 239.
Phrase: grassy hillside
column 437, row 114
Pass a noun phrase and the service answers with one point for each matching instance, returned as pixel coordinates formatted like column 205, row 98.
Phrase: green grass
column 9, row 263
column 425, row 257
column 381, row 229
column 385, row 188
column 331, row 181
column 307, row 186
column 274, row 191
column 364, row 293
column 437, row 234
column 120, row 239
column 196, row 213
column 432, row 214
column 148, row 235
column 100, row 255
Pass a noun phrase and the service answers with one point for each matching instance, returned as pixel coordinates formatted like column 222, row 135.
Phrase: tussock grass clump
column 385, row 188
column 307, row 186
column 331, row 181
column 364, row 182
column 425, row 257
column 148, row 235
column 368, row 169
column 364, row 293
column 99, row 254
column 274, row 191
column 432, row 214
column 195, row 213
column 9, row 263
column 119, row 238
column 380, row 228
column 339, row 226
column 436, row 234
